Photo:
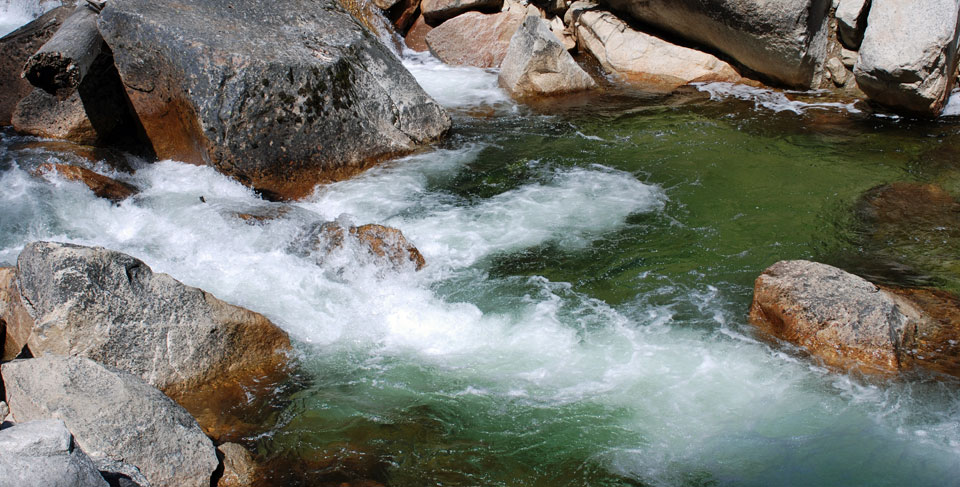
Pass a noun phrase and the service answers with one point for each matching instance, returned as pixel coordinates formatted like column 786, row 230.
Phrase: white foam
column 16, row 13
column 768, row 99
column 952, row 108
column 456, row 86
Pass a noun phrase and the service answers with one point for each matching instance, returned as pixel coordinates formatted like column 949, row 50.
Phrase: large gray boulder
column 43, row 453
column 279, row 95
column 784, row 40
column 538, row 64
column 110, row 307
column 112, row 415
column 643, row 60
column 908, row 57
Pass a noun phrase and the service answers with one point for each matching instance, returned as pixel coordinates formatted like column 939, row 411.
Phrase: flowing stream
column 582, row 317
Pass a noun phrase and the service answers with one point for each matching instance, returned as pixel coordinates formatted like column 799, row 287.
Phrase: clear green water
column 582, row 319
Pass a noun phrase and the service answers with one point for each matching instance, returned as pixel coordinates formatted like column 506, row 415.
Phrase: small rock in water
column 321, row 240
column 101, row 185
column 239, row 469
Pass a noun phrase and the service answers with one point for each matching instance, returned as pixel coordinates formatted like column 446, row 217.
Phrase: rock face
column 18, row 323
column 265, row 92
column 837, row 316
column 537, row 63
column 908, row 58
column 784, row 40
column 852, row 21
column 114, row 415
column 43, row 453
column 43, row 115
column 101, row 185
column 474, row 39
column 17, row 47
column 112, row 308
column 644, row 60
column 437, row 11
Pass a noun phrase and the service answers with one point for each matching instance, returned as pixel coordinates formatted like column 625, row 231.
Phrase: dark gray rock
column 279, row 95
column 43, row 453
column 784, row 40
column 908, row 57
column 113, row 415
column 110, row 307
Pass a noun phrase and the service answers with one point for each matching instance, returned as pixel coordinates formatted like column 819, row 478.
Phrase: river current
column 582, row 316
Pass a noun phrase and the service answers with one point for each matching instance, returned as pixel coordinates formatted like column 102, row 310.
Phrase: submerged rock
column 644, row 60
column 110, row 307
column 474, row 39
column 101, row 185
column 536, row 63
column 43, row 453
column 17, row 47
column 17, row 322
column 785, row 40
column 908, row 57
column 114, row 415
column 381, row 242
column 279, row 95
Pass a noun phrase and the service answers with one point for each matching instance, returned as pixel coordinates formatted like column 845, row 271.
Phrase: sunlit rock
column 908, row 57
column 112, row 414
column 537, row 63
column 474, row 38
column 642, row 59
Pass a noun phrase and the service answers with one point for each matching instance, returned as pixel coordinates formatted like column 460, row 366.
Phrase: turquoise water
column 582, row 318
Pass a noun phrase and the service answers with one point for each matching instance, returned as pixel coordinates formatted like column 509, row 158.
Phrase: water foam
column 768, row 99
column 16, row 13
column 456, row 86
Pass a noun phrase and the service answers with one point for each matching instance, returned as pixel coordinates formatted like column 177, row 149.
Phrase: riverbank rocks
column 852, row 21
column 474, row 38
column 537, row 64
column 643, row 60
column 908, row 57
column 110, row 307
column 114, row 415
column 43, row 453
column 416, row 37
column 17, row 47
column 17, row 322
column 437, row 11
column 279, row 95
column 102, row 186
column 785, row 40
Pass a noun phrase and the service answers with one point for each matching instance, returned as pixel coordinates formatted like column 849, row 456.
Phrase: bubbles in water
column 768, row 99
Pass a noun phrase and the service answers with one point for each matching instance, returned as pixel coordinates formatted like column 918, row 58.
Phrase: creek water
column 582, row 317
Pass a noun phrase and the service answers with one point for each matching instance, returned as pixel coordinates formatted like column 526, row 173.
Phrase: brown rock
column 43, row 115
column 17, row 47
column 82, row 154
column 380, row 241
column 404, row 13
column 837, row 316
column 937, row 341
column 474, row 39
column 101, row 185
column 417, row 35
column 19, row 323
column 437, row 11
column 643, row 60
column 239, row 469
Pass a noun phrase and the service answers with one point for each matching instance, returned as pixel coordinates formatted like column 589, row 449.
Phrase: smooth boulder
column 783, row 40
column 43, row 453
column 537, row 63
column 112, row 415
column 837, row 316
column 279, row 95
column 17, row 322
column 643, row 60
column 908, row 57
column 474, row 38
column 112, row 308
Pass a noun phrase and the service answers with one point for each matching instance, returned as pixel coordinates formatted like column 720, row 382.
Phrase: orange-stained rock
column 416, row 38
column 239, row 468
column 403, row 14
column 474, row 39
column 937, row 341
column 19, row 323
column 101, row 185
column 378, row 240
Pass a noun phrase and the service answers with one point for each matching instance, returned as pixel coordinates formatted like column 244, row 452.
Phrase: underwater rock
column 908, row 57
column 101, row 185
column 112, row 414
column 536, row 63
column 112, row 308
column 474, row 38
column 43, row 452
column 18, row 324
column 786, row 40
column 379, row 241
column 643, row 60
column 279, row 95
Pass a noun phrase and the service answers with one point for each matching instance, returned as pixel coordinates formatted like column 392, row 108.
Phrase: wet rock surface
column 385, row 244
column 114, row 415
column 102, row 186
column 265, row 92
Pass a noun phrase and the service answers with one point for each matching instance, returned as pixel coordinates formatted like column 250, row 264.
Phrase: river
column 582, row 316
